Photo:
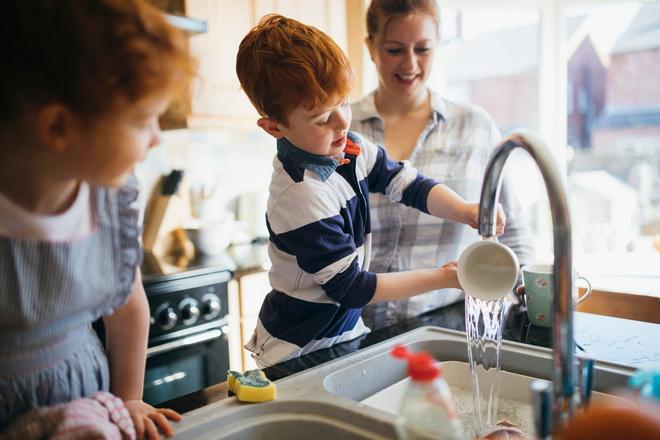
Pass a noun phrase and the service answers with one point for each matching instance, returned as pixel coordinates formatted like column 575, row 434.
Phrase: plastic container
column 427, row 409
column 648, row 384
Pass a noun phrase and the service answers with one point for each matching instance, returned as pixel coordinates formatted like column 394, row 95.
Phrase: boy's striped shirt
column 320, row 245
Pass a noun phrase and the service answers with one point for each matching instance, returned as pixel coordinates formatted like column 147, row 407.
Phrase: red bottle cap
column 421, row 366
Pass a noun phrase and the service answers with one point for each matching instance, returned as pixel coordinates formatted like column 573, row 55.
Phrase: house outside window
column 586, row 77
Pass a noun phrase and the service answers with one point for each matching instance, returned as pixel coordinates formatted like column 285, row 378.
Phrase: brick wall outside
column 634, row 78
column 511, row 101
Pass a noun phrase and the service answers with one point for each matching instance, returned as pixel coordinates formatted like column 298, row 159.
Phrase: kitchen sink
column 515, row 405
column 282, row 420
column 355, row 397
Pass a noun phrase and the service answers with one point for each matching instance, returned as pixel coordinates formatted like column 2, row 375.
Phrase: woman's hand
column 149, row 421
column 472, row 217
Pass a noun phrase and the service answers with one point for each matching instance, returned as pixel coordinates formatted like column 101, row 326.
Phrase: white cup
column 487, row 269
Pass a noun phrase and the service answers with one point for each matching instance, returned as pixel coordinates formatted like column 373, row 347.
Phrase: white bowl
column 212, row 238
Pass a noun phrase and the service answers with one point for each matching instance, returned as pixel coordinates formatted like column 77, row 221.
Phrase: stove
column 188, row 346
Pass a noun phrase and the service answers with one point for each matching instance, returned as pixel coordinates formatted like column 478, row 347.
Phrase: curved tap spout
column 562, row 304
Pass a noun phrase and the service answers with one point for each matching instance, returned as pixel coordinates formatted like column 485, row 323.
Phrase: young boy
column 318, row 210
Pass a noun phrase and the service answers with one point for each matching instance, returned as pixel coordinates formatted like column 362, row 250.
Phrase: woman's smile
column 406, row 79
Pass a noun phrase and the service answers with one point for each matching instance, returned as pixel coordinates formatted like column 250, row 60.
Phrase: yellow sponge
column 251, row 386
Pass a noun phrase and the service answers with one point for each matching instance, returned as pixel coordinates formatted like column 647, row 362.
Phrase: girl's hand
column 472, row 217
column 149, row 421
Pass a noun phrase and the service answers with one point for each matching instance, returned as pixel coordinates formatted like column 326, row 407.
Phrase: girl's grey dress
column 51, row 292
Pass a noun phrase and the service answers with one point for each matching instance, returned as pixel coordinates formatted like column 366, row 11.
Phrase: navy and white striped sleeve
column 399, row 181
column 309, row 223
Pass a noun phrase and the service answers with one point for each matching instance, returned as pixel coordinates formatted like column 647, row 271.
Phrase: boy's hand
column 449, row 273
column 472, row 217
column 149, row 421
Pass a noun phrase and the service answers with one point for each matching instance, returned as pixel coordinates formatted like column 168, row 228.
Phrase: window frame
column 553, row 91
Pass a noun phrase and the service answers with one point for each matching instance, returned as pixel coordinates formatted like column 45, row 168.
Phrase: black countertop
column 622, row 341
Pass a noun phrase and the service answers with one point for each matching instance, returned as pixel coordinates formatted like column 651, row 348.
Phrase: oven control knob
column 210, row 306
column 189, row 311
column 167, row 318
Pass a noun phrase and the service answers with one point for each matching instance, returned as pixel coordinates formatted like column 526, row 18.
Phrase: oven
column 188, row 337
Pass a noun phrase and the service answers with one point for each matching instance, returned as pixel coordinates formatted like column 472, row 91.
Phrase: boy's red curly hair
column 283, row 64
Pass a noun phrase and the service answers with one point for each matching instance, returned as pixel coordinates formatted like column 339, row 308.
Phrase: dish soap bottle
column 427, row 409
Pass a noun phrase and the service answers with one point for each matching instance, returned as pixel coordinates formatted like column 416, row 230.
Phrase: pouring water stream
column 484, row 314
column 483, row 327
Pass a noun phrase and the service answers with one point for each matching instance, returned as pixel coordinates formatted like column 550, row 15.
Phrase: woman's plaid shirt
column 454, row 149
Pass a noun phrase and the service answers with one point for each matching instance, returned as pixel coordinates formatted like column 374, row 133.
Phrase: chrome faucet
column 553, row 407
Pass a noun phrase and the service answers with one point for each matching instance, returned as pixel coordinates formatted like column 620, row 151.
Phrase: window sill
column 638, row 299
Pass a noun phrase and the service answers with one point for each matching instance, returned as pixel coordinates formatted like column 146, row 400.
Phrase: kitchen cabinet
column 327, row 15
column 234, row 322
column 216, row 96
column 216, row 99
column 252, row 290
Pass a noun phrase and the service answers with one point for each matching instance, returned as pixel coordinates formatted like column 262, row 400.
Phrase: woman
column 448, row 141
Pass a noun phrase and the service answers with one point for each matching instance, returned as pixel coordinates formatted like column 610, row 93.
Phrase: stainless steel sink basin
column 366, row 377
column 327, row 400
column 281, row 420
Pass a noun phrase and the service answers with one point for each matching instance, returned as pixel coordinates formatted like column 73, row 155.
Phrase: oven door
column 186, row 364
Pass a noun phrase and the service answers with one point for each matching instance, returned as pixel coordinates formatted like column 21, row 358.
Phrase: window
column 614, row 140
column 586, row 77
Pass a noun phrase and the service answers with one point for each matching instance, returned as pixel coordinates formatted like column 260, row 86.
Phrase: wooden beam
column 355, row 33
column 622, row 305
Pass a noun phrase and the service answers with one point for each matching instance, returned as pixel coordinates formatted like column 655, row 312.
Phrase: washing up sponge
column 251, row 386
